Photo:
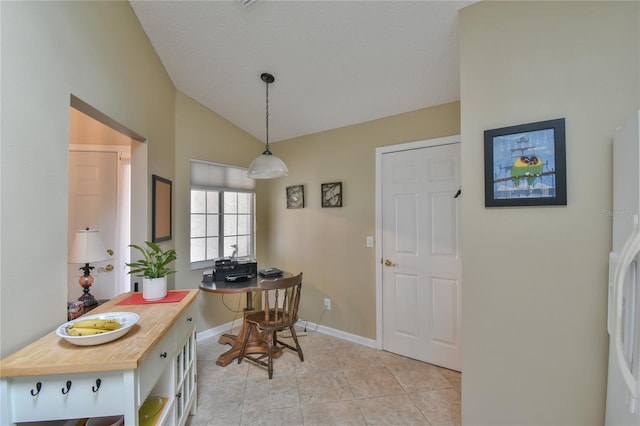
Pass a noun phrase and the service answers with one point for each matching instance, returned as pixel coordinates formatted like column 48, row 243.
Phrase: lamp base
column 85, row 282
column 88, row 298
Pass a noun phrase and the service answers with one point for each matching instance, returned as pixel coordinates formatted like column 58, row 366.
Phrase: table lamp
column 87, row 248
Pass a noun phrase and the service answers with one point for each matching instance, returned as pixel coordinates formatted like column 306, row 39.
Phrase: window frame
column 208, row 263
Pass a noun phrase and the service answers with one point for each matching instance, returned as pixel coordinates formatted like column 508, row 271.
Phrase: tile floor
column 339, row 382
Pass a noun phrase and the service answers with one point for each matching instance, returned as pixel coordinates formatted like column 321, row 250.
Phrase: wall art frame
column 161, row 211
column 525, row 165
column 295, row 197
column 331, row 194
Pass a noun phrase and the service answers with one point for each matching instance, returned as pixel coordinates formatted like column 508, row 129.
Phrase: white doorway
column 99, row 198
column 91, row 133
column 418, row 275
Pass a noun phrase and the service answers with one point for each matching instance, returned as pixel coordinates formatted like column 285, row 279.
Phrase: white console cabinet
column 52, row 379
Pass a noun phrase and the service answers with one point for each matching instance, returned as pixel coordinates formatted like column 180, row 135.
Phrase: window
column 222, row 218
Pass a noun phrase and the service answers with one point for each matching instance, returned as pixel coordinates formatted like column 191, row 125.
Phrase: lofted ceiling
column 335, row 63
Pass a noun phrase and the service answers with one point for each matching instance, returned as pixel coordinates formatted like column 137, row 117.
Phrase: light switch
column 369, row 241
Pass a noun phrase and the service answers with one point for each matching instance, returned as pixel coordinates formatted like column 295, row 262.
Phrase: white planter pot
column 154, row 288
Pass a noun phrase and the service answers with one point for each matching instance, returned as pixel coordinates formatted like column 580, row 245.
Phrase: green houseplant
column 153, row 268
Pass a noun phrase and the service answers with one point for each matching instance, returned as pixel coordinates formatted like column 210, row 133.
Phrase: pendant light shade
column 267, row 166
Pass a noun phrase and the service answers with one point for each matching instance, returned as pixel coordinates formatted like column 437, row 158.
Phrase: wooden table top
column 237, row 286
column 54, row 355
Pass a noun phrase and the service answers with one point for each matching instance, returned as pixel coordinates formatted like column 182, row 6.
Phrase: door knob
column 388, row 262
column 107, row 268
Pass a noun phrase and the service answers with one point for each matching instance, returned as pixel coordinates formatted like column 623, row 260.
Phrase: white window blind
column 220, row 176
column 222, row 213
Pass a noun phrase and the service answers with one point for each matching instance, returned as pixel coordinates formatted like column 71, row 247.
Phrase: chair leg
column 295, row 339
column 244, row 343
column 271, row 342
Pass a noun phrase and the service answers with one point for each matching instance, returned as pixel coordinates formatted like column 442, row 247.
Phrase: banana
column 78, row 331
column 101, row 324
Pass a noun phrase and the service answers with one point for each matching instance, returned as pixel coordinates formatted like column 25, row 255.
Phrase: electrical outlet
column 327, row 304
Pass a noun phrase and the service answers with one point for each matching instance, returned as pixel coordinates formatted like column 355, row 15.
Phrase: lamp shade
column 87, row 247
column 267, row 166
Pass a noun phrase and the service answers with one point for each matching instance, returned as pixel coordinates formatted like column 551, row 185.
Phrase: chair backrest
column 281, row 297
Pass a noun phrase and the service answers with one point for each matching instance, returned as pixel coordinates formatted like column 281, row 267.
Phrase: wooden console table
column 52, row 379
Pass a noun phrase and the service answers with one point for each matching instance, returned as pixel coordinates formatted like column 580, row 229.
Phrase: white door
column 93, row 204
column 420, row 254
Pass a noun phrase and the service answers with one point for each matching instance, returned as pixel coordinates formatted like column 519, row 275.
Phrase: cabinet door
column 186, row 378
column 155, row 363
column 177, row 380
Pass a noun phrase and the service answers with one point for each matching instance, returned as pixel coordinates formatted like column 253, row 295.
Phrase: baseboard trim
column 354, row 338
column 206, row 334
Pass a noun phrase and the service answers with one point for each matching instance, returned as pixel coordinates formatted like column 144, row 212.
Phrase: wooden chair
column 280, row 300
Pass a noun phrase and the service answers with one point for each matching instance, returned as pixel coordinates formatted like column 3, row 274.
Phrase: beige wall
column 311, row 238
column 98, row 52
column 329, row 244
column 49, row 52
column 201, row 134
column 534, row 279
column 534, row 348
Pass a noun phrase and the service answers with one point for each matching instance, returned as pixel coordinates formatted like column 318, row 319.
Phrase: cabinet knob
column 163, row 355
column 189, row 319
column 179, row 395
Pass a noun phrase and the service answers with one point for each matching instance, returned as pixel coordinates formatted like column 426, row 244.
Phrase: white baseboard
column 309, row 326
column 206, row 334
column 354, row 338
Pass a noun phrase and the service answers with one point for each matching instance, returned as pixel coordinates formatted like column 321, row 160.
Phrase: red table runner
column 172, row 296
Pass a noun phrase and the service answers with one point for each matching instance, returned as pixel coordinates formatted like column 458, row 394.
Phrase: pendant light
column 267, row 166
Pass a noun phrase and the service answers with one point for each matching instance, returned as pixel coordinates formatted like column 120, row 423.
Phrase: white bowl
column 105, row 421
column 126, row 320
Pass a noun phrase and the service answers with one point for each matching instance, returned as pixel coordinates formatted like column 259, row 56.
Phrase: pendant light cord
column 267, row 151
column 267, row 165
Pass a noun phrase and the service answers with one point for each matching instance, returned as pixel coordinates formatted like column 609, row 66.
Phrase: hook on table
column 97, row 386
column 66, row 391
column 38, row 387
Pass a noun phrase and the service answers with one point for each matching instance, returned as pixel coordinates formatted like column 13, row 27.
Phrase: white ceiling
column 335, row 63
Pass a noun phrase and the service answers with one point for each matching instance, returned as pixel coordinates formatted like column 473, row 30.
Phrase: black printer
column 229, row 269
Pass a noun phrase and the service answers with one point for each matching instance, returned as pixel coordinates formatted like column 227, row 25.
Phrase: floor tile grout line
column 345, row 351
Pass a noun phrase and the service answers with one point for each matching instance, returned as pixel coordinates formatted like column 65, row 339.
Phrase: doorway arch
column 136, row 151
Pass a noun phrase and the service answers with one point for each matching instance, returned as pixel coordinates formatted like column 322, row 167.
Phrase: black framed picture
column 332, row 194
column 161, row 215
column 295, row 197
column 525, row 165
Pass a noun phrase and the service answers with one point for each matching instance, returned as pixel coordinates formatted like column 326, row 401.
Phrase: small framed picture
column 161, row 209
column 525, row 165
column 295, row 197
column 332, row 194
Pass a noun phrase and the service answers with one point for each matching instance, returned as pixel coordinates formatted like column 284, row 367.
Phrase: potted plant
column 153, row 268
